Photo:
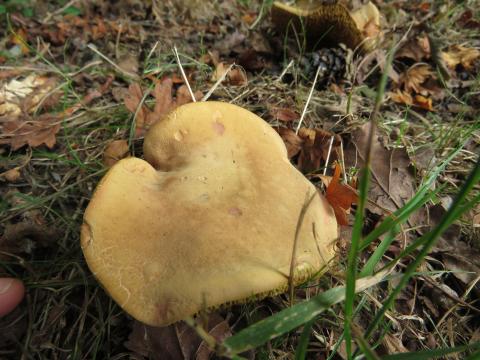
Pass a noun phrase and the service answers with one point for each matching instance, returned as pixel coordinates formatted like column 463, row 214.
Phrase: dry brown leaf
column 175, row 342
column 164, row 103
column 237, row 76
column 416, row 49
column 392, row 182
column 184, row 97
column 34, row 132
column 284, row 114
column 316, row 143
column 11, row 175
column 415, row 76
column 401, row 97
column 460, row 55
column 115, row 151
column 220, row 70
column 340, row 197
column 423, row 102
column 292, row 141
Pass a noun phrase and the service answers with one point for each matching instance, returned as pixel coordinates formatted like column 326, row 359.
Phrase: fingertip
column 12, row 292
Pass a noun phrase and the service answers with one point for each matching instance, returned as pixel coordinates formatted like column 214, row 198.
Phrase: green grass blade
column 429, row 240
column 301, row 352
column 434, row 354
column 365, row 348
column 290, row 318
column 377, row 255
column 352, row 258
column 422, row 195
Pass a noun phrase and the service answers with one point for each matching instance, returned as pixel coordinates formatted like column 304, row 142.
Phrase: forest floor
column 81, row 82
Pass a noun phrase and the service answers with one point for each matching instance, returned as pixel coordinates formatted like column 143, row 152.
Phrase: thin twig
column 59, row 11
column 175, row 51
column 303, row 211
column 343, row 162
column 328, row 155
column 285, row 71
column 118, row 68
column 217, row 83
column 151, row 52
column 308, row 100
column 204, row 335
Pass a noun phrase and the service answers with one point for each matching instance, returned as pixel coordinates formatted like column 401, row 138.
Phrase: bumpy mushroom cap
column 208, row 219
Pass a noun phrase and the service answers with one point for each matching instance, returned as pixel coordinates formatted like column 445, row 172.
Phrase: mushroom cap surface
column 208, row 218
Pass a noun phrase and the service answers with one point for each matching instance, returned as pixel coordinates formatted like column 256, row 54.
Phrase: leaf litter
column 100, row 141
column 164, row 103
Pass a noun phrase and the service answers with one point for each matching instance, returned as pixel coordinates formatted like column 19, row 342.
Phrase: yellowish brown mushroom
column 208, row 218
column 330, row 23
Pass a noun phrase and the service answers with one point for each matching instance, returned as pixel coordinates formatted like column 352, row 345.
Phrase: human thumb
column 11, row 294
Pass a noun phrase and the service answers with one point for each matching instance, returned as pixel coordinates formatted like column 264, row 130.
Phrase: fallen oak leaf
column 340, row 197
column 183, row 96
column 164, row 103
column 32, row 132
column 42, row 129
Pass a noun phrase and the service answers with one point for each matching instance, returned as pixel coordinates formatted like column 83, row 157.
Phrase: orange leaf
column 340, row 197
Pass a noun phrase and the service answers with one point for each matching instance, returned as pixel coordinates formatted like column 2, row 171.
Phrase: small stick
column 285, row 70
column 204, row 335
column 303, row 211
column 58, row 11
column 217, row 83
column 328, row 155
column 343, row 162
column 183, row 74
column 118, row 68
column 308, row 100
column 151, row 52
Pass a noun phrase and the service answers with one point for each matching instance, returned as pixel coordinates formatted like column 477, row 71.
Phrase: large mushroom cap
column 208, row 219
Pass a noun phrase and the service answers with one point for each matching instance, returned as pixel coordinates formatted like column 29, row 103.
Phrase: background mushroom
column 329, row 23
column 208, row 219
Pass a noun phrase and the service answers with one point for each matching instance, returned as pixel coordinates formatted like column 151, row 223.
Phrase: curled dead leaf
column 415, row 76
column 416, row 49
column 460, row 55
column 423, row 102
column 234, row 74
column 115, row 151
